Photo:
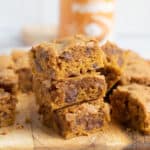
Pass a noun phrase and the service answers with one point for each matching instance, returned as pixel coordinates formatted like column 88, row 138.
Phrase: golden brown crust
column 6, row 62
column 21, row 59
column 114, row 55
column 8, row 77
column 137, row 70
column 114, row 64
column 8, row 80
column 70, row 57
column 8, row 90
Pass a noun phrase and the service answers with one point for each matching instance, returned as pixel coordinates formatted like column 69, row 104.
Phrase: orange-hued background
column 89, row 17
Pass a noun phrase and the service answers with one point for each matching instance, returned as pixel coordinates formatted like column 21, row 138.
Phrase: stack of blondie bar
column 15, row 75
column 8, row 89
column 76, row 83
column 70, row 79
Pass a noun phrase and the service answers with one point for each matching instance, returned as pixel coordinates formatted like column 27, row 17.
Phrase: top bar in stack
column 65, row 58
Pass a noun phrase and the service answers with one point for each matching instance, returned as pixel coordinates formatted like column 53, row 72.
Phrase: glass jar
column 93, row 18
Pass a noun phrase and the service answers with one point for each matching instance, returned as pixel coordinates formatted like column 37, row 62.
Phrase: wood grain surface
column 25, row 135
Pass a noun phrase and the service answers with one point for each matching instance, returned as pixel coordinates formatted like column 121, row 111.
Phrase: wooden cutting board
column 33, row 135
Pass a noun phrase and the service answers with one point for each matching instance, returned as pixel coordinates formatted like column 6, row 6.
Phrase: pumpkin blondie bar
column 23, row 69
column 7, row 108
column 131, row 106
column 65, row 58
column 8, row 77
column 65, row 92
column 8, row 91
column 6, row 62
column 137, row 70
column 77, row 120
column 114, row 64
column 8, row 80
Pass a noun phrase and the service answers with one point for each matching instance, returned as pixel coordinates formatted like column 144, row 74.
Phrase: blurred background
column 22, row 18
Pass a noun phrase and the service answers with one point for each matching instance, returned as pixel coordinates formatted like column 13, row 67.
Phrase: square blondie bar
column 7, row 108
column 23, row 69
column 8, row 80
column 6, row 62
column 137, row 70
column 65, row 92
column 8, row 77
column 114, row 64
column 8, row 90
column 131, row 106
column 77, row 120
column 70, row 57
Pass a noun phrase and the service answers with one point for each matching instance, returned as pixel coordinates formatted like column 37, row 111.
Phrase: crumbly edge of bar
column 129, row 111
column 54, row 66
column 9, row 80
column 25, row 80
column 7, row 110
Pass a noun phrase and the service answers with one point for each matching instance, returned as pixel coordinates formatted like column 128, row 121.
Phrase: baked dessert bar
column 137, row 70
column 6, row 62
column 8, row 90
column 8, row 77
column 8, row 80
column 23, row 69
column 65, row 92
column 76, row 120
column 131, row 106
column 65, row 58
column 114, row 64
column 7, row 108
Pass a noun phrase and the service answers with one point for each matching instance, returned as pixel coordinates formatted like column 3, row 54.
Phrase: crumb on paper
column 19, row 126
